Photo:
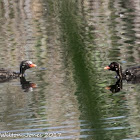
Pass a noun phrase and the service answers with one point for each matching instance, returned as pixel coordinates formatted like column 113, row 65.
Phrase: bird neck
column 22, row 71
column 119, row 72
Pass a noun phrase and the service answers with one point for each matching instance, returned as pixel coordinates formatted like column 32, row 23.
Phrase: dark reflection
column 116, row 87
column 27, row 85
column 87, row 93
column 119, row 85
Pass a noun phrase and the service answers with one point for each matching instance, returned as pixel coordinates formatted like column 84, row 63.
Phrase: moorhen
column 7, row 75
column 130, row 74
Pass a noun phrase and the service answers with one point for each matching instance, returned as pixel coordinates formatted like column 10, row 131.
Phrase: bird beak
column 106, row 68
column 32, row 65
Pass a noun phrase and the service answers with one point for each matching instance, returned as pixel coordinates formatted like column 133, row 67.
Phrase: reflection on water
column 27, row 85
column 71, row 42
column 116, row 87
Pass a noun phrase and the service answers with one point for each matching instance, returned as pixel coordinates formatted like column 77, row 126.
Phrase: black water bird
column 6, row 75
column 130, row 74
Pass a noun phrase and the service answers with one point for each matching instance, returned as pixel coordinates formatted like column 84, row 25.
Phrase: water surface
column 71, row 42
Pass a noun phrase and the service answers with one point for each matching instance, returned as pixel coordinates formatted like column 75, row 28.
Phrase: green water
column 71, row 41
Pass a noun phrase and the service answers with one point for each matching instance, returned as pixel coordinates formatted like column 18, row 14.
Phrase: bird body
column 6, row 75
column 130, row 74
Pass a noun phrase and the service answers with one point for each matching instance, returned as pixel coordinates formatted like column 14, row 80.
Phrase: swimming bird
column 130, row 74
column 7, row 74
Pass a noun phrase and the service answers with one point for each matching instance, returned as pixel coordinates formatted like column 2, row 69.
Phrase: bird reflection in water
column 116, row 87
column 27, row 86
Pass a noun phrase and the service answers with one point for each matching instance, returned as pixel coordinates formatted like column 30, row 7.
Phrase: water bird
column 7, row 74
column 130, row 74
